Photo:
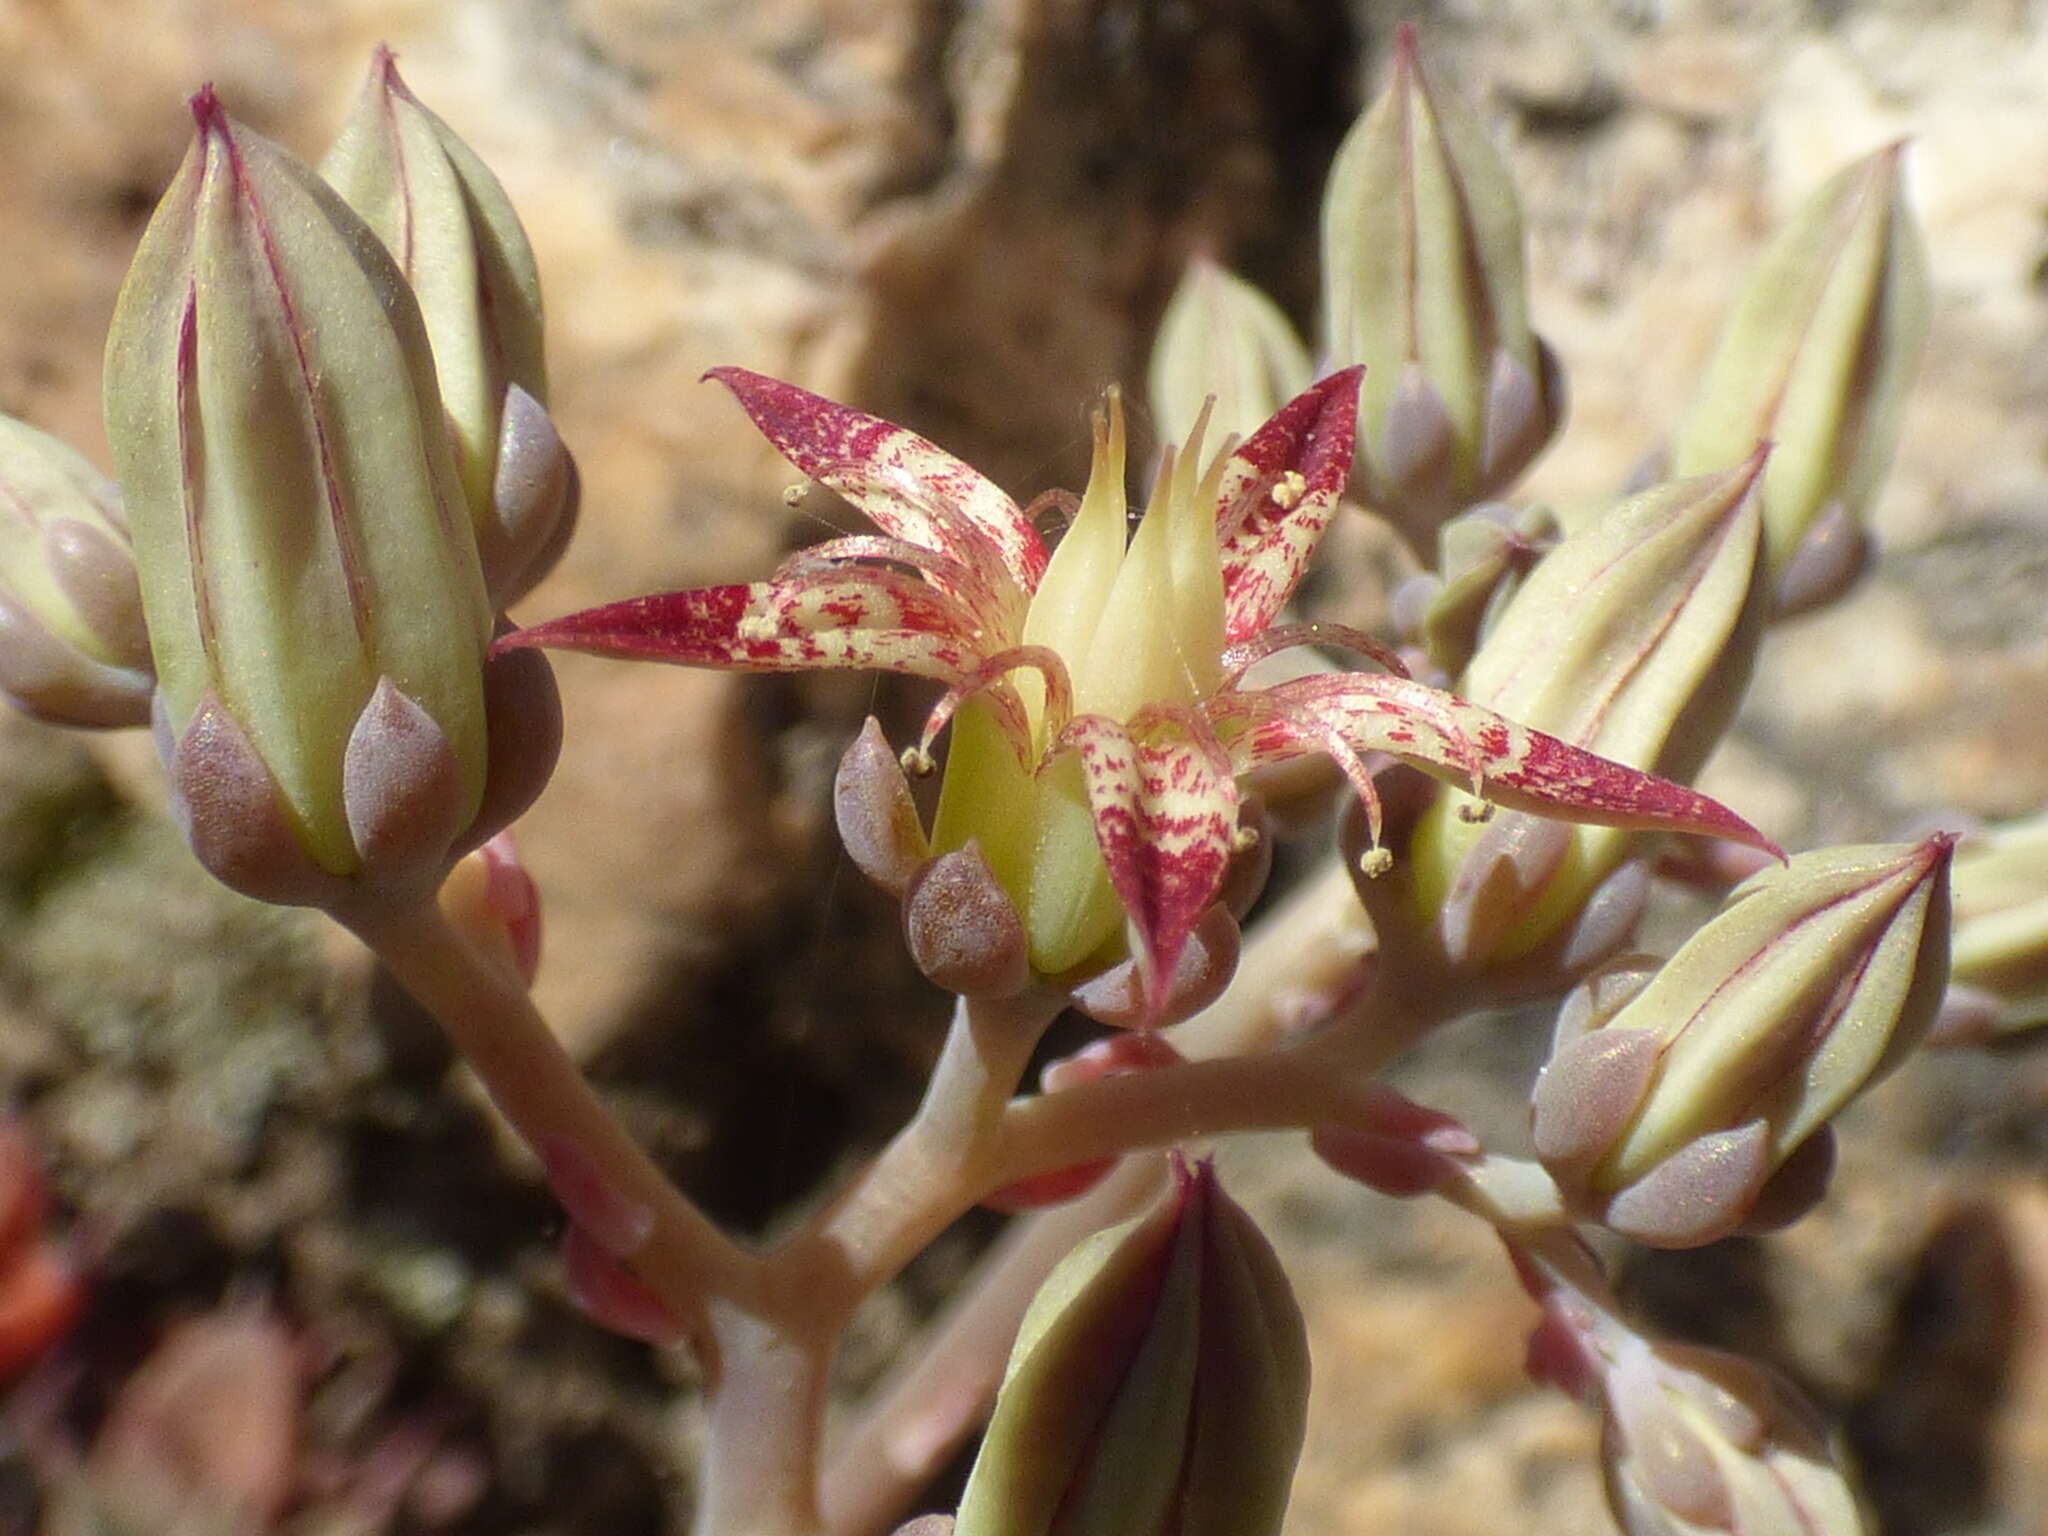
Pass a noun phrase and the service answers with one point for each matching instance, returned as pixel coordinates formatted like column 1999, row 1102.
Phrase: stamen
column 1059, row 694
column 1240, row 659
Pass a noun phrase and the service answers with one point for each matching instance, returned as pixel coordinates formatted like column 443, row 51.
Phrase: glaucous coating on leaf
column 1817, row 356
column 1666, row 1110
column 1100, row 715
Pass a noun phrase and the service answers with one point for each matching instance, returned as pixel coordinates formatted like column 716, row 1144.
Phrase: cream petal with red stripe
column 859, row 618
column 1164, row 803
column 906, row 484
column 1278, row 493
column 1505, row 762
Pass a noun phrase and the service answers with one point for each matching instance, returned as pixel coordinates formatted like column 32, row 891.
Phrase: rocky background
column 966, row 214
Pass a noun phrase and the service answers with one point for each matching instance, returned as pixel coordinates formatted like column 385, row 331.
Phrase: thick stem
column 933, row 1170
column 904, row 1435
column 495, row 1026
column 1302, row 967
column 1320, row 1082
column 759, row 1472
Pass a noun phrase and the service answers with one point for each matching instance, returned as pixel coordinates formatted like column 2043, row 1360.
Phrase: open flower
column 1097, row 691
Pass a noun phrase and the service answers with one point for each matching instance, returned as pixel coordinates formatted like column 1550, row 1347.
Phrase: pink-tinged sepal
column 1208, row 960
column 962, row 929
column 1165, row 810
column 907, row 485
column 878, row 821
column 840, row 619
column 1278, row 493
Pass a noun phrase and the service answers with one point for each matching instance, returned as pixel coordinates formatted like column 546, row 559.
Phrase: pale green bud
column 1221, row 337
column 447, row 222
column 1817, row 356
column 315, row 607
column 73, row 649
column 1999, row 953
column 1158, row 1387
column 1632, row 638
column 1700, row 1442
column 1423, row 283
column 1670, row 1103
column 1482, row 557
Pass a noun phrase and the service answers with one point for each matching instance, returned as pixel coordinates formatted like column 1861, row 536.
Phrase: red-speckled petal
column 1507, row 763
column 909, row 486
column 853, row 619
column 1165, row 808
column 1279, row 491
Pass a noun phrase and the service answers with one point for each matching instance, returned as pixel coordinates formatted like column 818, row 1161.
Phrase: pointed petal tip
column 208, row 115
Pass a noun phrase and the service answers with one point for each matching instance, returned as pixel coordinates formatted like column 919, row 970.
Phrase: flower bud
column 315, row 608
column 1222, row 337
column 1817, row 356
column 1159, row 1385
column 1998, row 971
column 1700, row 1441
column 1670, row 1104
column 1482, row 557
column 73, row 649
column 448, row 224
column 1422, row 264
column 1632, row 638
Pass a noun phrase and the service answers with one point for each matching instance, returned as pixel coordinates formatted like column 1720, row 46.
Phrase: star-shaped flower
column 1096, row 691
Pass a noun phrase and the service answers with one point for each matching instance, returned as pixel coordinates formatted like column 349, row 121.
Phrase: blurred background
column 967, row 215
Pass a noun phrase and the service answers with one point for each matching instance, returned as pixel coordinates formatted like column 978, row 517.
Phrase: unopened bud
column 1159, row 1385
column 1999, row 954
column 1668, row 1117
column 450, row 227
column 1634, row 638
column 1222, row 337
column 1482, row 557
column 1422, row 263
column 1816, row 356
column 73, row 649
column 1699, row 1441
column 315, row 607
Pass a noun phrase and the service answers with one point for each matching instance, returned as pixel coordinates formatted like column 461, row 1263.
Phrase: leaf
column 1279, row 491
